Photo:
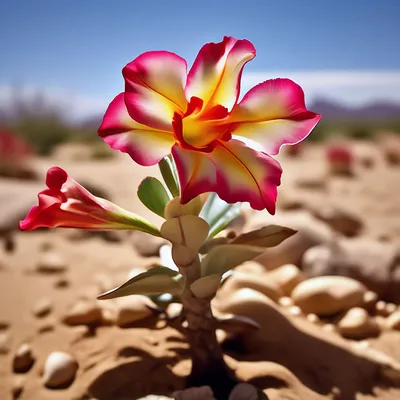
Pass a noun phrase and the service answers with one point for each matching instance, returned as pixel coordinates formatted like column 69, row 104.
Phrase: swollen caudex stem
column 186, row 231
column 174, row 208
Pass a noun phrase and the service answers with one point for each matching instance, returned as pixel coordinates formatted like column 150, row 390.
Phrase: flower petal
column 235, row 172
column 197, row 173
column 272, row 114
column 145, row 145
column 155, row 81
column 216, row 72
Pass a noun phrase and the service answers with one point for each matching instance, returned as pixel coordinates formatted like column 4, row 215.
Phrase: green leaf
column 156, row 280
column 168, row 172
column 268, row 236
column 218, row 213
column 227, row 256
column 153, row 195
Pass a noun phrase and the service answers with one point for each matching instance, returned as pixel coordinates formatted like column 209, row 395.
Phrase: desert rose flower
column 218, row 144
column 68, row 204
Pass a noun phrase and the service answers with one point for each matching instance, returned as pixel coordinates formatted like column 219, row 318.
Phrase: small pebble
column 5, row 343
column 393, row 321
column 17, row 387
column 313, row 318
column 59, row 370
column 357, row 324
column 285, row 301
column 83, row 313
column 51, row 263
column 23, row 359
column 42, row 308
column 295, row 311
column 132, row 309
column 61, row 283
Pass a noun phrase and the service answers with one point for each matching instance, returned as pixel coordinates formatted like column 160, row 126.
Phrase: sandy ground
column 152, row 358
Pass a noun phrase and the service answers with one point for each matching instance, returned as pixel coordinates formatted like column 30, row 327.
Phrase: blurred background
column 61, row 62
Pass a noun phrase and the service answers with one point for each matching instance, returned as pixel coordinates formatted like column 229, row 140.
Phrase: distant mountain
column 329, row 109
column 377, row 110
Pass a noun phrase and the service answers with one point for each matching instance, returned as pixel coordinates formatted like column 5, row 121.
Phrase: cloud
column 348, row 87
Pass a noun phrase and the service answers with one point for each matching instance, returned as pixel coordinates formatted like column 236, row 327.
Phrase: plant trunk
column 208, row 365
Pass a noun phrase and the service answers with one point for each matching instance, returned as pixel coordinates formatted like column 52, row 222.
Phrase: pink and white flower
column 218, row 144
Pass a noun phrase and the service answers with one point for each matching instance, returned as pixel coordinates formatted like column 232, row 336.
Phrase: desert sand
column 288, row 357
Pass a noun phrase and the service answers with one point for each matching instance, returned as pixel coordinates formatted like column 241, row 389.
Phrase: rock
column 51, row 263
column 340, row 220
column 390, row 145
column 244, row 302
column 310, row 232
column 285, row 301
column 313, row 318
column 23, row 359
column 295, row 311
column 240, row 280
column 357, row 324
column 4, row 324
column 316, row 182
column 329, row 328
column 393, row 321
column 46, row 326
column 83, row 313
column 245, row 391
column 370, row 300
column 174, row 310
column 17, row 387
column 61, row 283
column 327, row 295
column 287, row 277
column 5, row 342
column 367, row 160
column 147, row 245
column 108, row 316
column 194, row 393
column 371, row 262
column 384, row 309
column 59, row 370
column 42, row 308
column 132, row 309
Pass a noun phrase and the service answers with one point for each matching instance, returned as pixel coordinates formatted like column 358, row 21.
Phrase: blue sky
column 347, row 50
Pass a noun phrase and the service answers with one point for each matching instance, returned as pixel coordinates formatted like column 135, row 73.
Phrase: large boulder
column 375, row 264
